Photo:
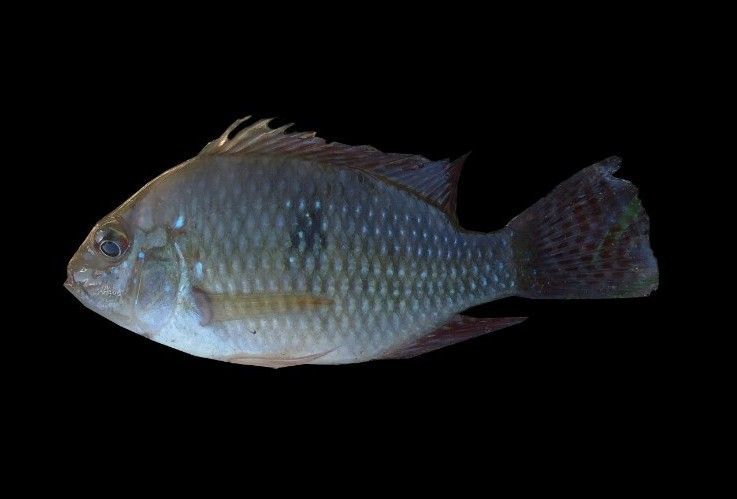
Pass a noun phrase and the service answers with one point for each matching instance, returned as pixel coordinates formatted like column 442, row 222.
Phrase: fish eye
column 110, row 248
column 111, row 242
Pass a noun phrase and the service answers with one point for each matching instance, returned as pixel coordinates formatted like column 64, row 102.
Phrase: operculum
column 157, row 288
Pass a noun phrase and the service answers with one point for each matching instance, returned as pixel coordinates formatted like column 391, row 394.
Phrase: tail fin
column 586, row 239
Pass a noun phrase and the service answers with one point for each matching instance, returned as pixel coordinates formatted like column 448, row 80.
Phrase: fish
column 276, row 248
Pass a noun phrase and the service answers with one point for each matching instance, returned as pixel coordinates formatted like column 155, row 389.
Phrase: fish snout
column 69, row 283
column 77, row 278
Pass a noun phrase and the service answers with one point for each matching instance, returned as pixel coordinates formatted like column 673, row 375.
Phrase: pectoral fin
column 457, row 329
column 218, row 307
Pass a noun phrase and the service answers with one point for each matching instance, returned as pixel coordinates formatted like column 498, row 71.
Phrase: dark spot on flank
column 306, row 237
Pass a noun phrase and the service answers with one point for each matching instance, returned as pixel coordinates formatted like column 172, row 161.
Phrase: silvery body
column 276, row 259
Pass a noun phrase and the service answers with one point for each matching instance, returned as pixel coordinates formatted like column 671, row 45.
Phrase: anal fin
column 458, row 328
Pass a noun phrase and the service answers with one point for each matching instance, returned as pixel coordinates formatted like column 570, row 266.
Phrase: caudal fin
column 588, row 238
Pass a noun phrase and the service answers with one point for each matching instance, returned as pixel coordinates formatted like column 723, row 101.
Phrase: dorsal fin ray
column 436, row 181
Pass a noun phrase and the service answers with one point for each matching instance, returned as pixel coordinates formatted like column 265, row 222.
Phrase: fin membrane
column 458, row 328
column 588, row 238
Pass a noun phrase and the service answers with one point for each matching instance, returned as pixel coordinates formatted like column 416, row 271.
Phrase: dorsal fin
column 436, row 181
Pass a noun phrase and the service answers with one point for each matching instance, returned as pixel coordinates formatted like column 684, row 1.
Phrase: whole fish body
column 273, row 248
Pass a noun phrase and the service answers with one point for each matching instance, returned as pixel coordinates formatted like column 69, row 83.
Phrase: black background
column 531, row 120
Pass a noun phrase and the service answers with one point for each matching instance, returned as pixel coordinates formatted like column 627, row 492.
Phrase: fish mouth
column 72, row 285
column 77, row 289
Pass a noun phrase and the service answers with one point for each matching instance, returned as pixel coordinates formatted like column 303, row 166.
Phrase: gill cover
column 156, row 288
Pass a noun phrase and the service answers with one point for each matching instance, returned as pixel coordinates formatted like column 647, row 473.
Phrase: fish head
column 100, row 272
column 126, row 274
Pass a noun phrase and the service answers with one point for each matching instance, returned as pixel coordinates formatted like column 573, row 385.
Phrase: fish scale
column 364, row 221
column 275, row 249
